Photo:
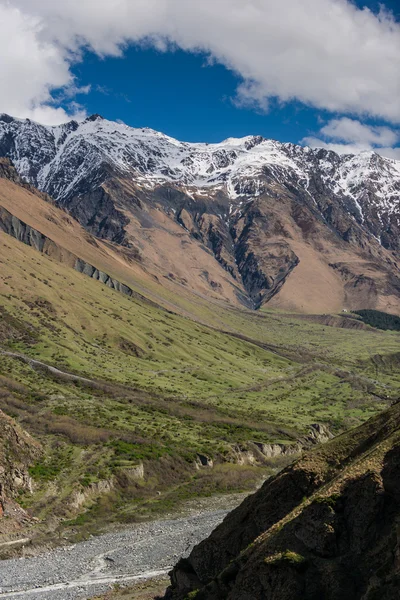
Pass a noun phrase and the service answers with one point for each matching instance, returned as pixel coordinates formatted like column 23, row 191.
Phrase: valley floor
column 106, row 561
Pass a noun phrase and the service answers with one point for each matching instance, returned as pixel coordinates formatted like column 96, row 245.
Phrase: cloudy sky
column 321, row 72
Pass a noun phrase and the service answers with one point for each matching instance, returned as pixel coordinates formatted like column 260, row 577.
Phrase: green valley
column 160, row 389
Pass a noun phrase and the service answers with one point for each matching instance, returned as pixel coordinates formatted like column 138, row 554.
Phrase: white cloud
column 350, row 130
column 325, row 53
column 349, row 136
column 29, row 68
column 390, row 152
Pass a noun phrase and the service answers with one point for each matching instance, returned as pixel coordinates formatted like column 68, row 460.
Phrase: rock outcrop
column 18, row 451
column 32, row 237
column 325, row 527
column 318, row 434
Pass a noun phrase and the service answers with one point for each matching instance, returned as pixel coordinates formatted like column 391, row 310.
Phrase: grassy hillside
column 141, row 387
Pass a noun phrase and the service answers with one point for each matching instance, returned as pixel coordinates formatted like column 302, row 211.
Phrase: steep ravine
column 241, row 244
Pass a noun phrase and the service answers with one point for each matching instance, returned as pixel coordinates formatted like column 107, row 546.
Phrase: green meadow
column 164, row 386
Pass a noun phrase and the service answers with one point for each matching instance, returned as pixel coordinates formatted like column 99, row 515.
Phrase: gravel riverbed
column 92, row 567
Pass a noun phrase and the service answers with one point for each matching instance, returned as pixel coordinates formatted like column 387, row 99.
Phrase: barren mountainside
column 247, row 221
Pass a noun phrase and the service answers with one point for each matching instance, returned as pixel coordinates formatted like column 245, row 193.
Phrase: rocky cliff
column 325, row 527
column 18, row 451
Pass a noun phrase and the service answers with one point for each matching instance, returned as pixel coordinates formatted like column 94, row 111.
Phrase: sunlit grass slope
column 165, row 387
column 82, row 326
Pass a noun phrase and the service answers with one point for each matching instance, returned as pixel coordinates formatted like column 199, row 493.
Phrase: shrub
column 287, row 557
column 45, row 471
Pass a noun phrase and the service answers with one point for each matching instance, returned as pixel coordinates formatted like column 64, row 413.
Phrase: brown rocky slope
column 249, row 221
column 324, row 528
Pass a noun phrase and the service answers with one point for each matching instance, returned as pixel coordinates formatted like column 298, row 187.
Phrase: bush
column 133, row 452
column 45, row 472
column 287, row 557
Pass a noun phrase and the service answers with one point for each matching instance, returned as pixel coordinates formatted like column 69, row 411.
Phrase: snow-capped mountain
column 57, row 160
column 104, row 172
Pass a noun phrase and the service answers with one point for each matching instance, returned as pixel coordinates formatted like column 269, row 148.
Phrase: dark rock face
column 326, row 527
column 93, row 273
column 263, row 256
column 96, row 211
column 21, row 231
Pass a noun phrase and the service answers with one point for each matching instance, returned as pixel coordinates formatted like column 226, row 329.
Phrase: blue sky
column 323, row 72
column 179, row 94
column 182, row 95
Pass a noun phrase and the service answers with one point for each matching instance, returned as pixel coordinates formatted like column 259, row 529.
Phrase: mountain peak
column 95, row 117
column 5, row 118
column 106, row 172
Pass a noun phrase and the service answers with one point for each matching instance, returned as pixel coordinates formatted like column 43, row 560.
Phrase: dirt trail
column 52, row 370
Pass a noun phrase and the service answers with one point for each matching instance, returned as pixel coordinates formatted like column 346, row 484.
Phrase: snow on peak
column 59, row 159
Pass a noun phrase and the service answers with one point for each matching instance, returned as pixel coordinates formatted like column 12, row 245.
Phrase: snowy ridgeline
column 59, row 159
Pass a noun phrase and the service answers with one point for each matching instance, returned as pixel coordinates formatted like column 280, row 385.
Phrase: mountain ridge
column 214, row 174
column 168, row 389
column 277, row 217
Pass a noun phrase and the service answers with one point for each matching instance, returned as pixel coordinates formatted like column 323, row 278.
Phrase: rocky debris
column 325, row 527
column 18, row 451
column 120, row 558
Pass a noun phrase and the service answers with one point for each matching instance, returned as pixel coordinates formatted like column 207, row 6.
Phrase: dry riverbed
column 126, row 557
